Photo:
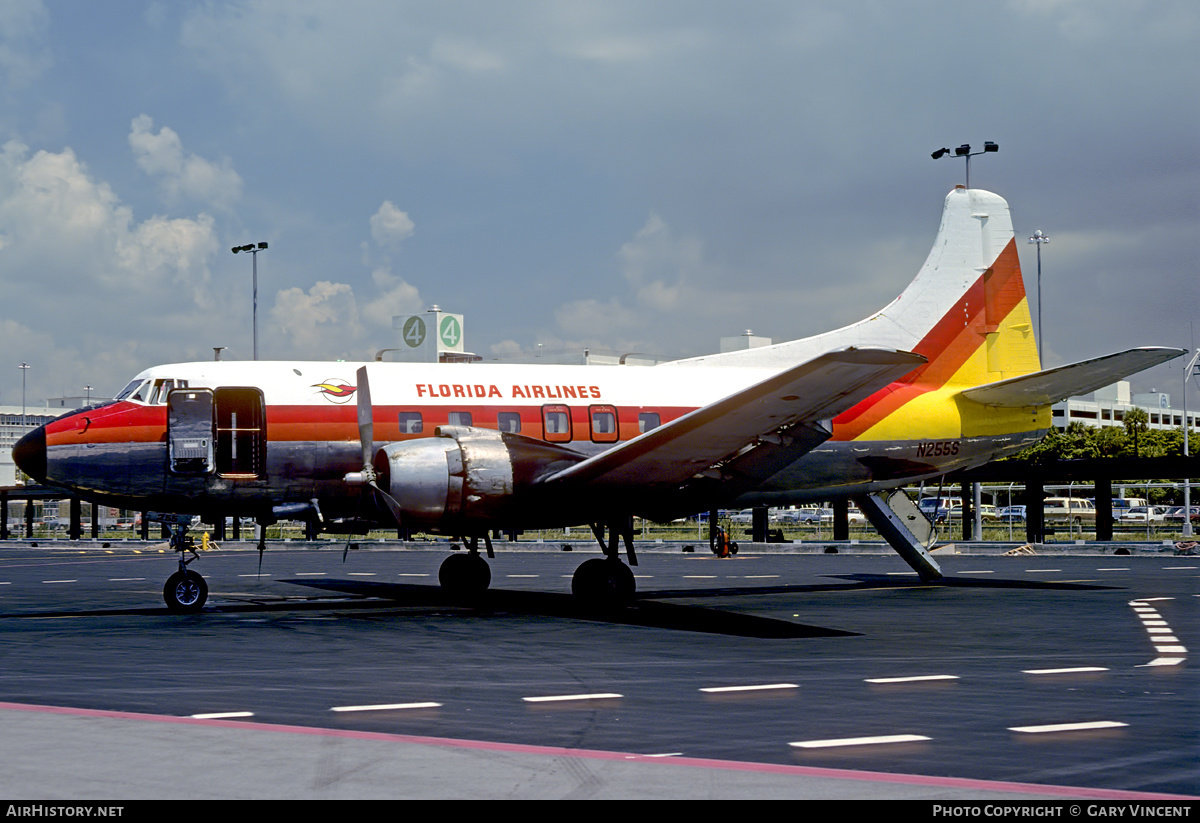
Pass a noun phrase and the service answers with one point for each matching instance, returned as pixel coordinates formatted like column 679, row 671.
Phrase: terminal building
column 14, row 423
column 1108, row 406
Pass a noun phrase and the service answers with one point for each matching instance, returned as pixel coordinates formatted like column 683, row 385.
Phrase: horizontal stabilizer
column 787, row 411
column 1053, row 385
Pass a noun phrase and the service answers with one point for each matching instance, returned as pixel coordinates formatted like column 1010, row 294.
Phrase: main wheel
column 603, row 583
column 185, row 592
column 465, row 575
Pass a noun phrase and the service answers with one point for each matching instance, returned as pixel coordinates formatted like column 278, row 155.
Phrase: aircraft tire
column 601, row 582
column 465, row 575
column 185, row 592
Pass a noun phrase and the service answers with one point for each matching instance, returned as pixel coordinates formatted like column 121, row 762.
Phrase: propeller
column 366, row 436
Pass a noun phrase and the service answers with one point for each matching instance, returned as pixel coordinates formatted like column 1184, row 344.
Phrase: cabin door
column 190, row 436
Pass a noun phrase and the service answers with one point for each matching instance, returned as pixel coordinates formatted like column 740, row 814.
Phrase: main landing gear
column 602, row 582
column 467, row 575
column 605, row 582
column 185, row 591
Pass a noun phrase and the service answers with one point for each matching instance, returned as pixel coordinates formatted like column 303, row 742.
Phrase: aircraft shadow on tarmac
column 649, row 608
column 646, row 610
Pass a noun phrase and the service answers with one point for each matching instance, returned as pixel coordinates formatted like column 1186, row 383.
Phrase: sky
column 643, row 176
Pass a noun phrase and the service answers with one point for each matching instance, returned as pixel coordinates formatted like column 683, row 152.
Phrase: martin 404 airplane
column 945, row 377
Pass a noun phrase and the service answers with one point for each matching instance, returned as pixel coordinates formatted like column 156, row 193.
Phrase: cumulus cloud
column 74, row 261
column 312, row 321
column 182, row 176
column 390, row 226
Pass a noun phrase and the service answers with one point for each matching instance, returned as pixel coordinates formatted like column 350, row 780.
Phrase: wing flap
column 784, row 416
column 1053, row 385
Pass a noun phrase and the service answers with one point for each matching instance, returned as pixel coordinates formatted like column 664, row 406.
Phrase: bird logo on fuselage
column 335, row 390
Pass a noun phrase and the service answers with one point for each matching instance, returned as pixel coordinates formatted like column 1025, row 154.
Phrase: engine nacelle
column 464, row 476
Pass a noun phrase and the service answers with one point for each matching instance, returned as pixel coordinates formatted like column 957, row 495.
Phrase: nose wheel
column 185, row 592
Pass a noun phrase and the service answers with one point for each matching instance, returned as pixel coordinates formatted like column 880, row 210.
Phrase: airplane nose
column 30, row 454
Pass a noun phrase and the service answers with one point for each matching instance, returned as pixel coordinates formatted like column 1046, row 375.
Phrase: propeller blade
column 366, row 425
column 366, row 433
column 392, row 504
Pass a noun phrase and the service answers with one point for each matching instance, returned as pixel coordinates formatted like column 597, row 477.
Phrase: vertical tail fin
column 965, row 310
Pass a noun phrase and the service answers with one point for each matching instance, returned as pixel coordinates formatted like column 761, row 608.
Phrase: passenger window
column 509, row 422
column 556, row 423
column 604, row 424
column 459, row 418
column 648, row 421
column 411, row 423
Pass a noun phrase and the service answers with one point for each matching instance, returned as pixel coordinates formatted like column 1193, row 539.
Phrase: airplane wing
column 751, row 434
column 1053, row 385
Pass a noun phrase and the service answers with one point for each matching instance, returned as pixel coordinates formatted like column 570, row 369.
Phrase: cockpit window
column 153, row 392
column 128, row 390
column 162, row 387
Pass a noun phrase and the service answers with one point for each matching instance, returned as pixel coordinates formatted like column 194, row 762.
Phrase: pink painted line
column 695, row 762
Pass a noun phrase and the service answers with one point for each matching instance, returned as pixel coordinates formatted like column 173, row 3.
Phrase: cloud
column 396, row 298
column 390, row 226
column 182, row 176
column 79, row 269
column 321, row 323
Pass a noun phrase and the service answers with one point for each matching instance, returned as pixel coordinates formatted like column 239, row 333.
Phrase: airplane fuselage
column 270, row 434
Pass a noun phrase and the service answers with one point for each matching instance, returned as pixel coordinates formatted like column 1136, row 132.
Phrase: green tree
column 1137, row 422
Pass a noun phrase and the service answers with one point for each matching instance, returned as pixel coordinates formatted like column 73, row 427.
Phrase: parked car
column 1143, row 514
column 808, row 515
column 1175, row 515
column 1012, row 514
column 1069, row 510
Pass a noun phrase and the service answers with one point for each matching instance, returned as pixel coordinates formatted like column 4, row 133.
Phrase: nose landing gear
column 185, row 591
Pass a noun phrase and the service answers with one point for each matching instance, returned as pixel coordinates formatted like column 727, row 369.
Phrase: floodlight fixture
column 964, row 151
column 253, row 249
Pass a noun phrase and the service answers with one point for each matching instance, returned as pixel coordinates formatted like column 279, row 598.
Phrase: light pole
column 1188, row 371
column 24, row 367
column 88, row 389
column 254, row 249
column 964, row 151
column 1039, row 239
